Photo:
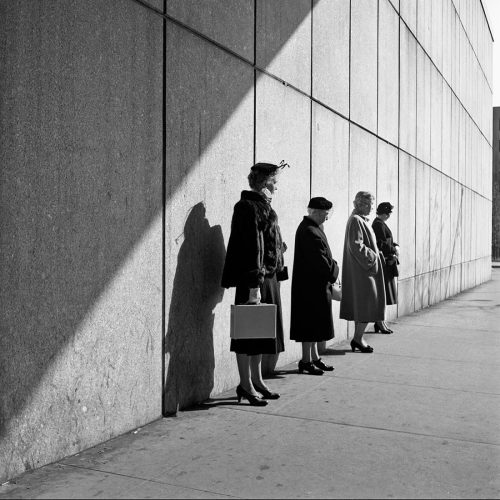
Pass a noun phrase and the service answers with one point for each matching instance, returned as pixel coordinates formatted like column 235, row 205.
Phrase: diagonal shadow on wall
column 81, row 134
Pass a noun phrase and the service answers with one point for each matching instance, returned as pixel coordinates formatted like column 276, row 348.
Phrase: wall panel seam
column 164, row 203
column 287, row 84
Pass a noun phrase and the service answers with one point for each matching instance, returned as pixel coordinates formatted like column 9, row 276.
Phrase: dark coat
column 387, row 246
column 255, row 248
column 363, row 291
column 313, row 270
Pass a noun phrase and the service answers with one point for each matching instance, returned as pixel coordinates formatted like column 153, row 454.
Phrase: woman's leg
column 256, row 372
column 359, row 329
column 382, row 325
column 314, row 351
column 306, row 352
column 244, row 361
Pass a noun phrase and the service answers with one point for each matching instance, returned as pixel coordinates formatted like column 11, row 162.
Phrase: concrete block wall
column 126, row 135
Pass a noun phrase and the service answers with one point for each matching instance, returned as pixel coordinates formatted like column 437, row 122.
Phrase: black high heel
column 378, row 329
column 319, row 363
column 253, row 400
column 309, row 368
column 361, row 347
column 266, row 393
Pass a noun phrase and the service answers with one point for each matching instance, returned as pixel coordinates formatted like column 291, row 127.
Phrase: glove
column 254, row 297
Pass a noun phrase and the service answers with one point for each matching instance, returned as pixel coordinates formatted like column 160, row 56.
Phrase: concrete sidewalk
column 419, row 418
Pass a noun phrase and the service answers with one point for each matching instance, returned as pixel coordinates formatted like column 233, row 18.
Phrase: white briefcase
column 253, row 321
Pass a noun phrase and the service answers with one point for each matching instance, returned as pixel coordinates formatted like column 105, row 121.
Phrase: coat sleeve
column 245, row 251
column 384, row 239
column 361, row 253
column 320, row 261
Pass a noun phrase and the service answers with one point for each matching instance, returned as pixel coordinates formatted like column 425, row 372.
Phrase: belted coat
column 363, row 291
column 313, row 270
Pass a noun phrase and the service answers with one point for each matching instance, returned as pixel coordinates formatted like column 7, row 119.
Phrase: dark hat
column 384, row 208
column 268, row 168
column 321, row 203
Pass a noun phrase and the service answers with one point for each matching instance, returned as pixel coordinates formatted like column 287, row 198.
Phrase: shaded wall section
column 128, row 129
column 81, row 233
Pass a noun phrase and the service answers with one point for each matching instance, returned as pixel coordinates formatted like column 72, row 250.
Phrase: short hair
column 362, row 197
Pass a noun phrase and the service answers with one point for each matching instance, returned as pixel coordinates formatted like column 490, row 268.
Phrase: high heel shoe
column 309, row 368
column 381, row 330
column 361, row 347
column 266, row 394
column 253, row 400
column 319, row 363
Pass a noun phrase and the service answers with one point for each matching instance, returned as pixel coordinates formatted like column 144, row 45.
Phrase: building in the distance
column 495, row 246
column 127, row 131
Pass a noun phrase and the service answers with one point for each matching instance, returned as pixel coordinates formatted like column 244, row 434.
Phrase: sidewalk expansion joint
column 464, row 361
column 155, row 481
column 368, row 427
column 418, row 386
column 444, row 327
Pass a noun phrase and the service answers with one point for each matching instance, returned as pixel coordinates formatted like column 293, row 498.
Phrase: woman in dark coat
column 363, row 293
column 390, row 251
column 314, row 272
column 254, row 265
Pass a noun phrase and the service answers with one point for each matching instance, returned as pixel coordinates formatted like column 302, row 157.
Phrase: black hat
column 321, row 203
column 384, row 208
column 269, row 168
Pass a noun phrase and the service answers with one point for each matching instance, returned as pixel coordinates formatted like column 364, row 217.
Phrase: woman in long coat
column 390, row 251
column 314, row 270
column 363, row 292
column 254, row 265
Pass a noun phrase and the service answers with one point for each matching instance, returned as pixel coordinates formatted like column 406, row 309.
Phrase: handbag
column 283, row 274
column 254, row 321
column 336, row 291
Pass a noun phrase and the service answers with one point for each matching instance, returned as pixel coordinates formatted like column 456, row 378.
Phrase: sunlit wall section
column 387, row 96
column 453, row 147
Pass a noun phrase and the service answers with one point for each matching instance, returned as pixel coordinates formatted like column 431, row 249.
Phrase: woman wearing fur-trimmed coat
column 254, row 264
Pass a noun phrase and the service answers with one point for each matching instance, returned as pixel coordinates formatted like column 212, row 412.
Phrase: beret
column 320, row 202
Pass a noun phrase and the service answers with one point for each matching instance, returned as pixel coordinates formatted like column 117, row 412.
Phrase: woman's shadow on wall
column 189, row 345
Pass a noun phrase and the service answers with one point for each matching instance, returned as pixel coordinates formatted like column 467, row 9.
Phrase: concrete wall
column 495, row 248
column 80, row 225
column 127, row 132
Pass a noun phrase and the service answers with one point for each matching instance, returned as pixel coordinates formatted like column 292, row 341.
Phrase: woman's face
column 365, row 206
column 271, row 184
column 323, row 215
